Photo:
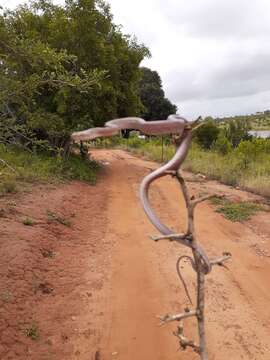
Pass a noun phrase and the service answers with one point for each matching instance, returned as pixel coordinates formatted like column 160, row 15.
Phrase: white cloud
column 212, row 55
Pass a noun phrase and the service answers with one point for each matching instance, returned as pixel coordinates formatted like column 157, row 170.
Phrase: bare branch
column 220, row 261
column 169, row 237
column 177, row 317
column 185, row 342
column 204, row 198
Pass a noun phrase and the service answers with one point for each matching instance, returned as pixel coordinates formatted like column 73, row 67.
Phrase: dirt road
column 89, row 282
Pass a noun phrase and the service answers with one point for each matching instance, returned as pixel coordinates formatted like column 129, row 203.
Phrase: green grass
column 19, row 167
column 236, row 211
column 230, row 169
column 32, row 332
column 252, row 174
column 28, row 222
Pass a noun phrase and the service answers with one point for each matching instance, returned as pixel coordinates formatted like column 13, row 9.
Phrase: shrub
column 222, row 144
column 25, row 167
column 206, row 134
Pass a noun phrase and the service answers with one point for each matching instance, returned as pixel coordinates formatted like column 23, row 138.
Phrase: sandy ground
column 86, row 282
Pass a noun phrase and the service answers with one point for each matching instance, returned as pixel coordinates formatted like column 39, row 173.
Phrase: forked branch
column 201, row 264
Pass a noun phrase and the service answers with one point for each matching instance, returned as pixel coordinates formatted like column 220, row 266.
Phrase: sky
column 213, row 56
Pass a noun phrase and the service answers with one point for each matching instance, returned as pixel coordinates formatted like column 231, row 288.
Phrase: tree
column 222, row 144
column 156, row 106
column 237, row 130
column 65, row 68
column 206, row 134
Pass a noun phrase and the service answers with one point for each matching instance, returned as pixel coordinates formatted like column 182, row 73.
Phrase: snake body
column 175, row 124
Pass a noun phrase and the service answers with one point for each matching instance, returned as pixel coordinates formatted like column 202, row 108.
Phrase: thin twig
column 177, row 317
column 7, row 165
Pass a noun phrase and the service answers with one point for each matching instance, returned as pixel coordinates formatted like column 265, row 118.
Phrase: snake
column 174, row 124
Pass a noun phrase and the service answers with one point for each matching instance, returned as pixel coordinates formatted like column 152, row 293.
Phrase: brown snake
column 175, row 124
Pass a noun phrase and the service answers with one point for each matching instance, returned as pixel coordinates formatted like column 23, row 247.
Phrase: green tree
column 222, row 144
column 237, row 130
column 156, row 106
column 64, row 68
column 206, row 134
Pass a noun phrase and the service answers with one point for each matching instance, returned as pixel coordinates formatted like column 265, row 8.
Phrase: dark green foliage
column 156, row 106
column 66, row 68
column 206, row 134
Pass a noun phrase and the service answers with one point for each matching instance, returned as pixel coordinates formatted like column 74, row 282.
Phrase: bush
column 206, row 134
column 20, row 166
column 222, row 144
column 235, row 168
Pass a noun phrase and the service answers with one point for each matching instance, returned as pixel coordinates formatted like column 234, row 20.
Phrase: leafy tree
column 64, row 68
column 237, row 130
column 206, row 134
column 156, row 106
column 222, row 144
column 252, row 150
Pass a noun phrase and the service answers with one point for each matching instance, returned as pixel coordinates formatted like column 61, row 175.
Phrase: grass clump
column 32, row 332
column 7, row 185
column 28, row 222
column 236, row 211
column 52, row 216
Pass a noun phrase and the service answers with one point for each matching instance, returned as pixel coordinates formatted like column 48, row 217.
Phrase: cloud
column 240, row 76
column 219, row 18
column 213, row 55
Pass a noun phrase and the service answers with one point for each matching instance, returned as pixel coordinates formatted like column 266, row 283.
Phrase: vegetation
column 247, row 165
column 57, row 218
column 236, row 211
column 20, row 166
column 32, row 332
column 28, row 222
column 206, row 134
column 258, row 121
column 65, row 68
column 156, row 106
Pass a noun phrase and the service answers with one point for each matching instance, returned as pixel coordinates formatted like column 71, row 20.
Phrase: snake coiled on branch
column 175, row 124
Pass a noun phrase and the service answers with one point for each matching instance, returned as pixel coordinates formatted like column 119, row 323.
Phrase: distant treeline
column 258, row 121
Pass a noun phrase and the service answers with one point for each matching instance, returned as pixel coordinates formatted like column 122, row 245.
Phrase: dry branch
column 201, row 264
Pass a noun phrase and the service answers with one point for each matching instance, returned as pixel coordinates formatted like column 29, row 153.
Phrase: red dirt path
column 92, row 290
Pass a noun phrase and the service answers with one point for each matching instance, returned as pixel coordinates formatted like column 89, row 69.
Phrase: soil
column 83, row 280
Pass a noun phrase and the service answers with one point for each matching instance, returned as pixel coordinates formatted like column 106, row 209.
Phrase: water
column 264, row 134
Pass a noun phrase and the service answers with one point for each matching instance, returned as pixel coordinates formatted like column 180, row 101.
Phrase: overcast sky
column 213, row 55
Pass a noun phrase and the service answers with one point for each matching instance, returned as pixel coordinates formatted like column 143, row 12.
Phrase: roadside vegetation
column 66, row 68
column 19, row 167
column 236, row 211
column 225, row 153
